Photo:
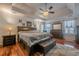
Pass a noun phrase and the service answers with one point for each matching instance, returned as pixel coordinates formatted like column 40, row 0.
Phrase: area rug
column 63, row 50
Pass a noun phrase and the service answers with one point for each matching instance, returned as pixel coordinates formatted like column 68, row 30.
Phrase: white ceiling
column 12, row 12
column 60, row 9
column 32, row 10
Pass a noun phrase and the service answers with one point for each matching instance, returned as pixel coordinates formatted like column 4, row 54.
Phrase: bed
column 35, row 41
column 33, row 37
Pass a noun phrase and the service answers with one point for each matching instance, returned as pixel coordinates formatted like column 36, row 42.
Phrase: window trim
column 66, row 24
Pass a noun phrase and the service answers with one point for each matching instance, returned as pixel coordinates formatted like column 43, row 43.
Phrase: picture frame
column 29, row 24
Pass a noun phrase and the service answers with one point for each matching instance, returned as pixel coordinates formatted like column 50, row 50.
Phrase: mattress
column 33, row 37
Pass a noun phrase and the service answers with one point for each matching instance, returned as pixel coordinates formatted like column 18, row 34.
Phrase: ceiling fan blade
column 50, row 7
column 51, row 12
column 41, row 9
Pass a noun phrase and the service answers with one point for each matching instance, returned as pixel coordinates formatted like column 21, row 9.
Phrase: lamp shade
column 10, row 28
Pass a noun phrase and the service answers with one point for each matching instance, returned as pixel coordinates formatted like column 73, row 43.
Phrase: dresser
column 9, row 40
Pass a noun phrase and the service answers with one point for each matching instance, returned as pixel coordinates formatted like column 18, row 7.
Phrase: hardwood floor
column 17, row 50
column 13, row 50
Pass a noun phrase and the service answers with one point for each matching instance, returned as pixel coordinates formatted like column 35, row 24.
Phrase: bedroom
column 61, row 20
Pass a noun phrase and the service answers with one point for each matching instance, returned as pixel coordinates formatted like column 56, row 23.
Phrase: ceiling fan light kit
column 47, row 11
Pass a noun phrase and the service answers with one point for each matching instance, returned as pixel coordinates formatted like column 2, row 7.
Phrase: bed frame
column 23, row 28
column 33, row 49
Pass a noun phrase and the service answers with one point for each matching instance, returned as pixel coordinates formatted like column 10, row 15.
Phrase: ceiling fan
column 47, row 11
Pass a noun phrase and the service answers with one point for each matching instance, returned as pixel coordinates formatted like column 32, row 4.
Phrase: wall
column 77, row 22
column 4, row 26
column 37, row 23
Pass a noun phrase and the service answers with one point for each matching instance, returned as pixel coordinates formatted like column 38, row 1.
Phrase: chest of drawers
column 9, row 40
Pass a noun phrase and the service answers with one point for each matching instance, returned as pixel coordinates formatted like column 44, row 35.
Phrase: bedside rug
column 63, row 50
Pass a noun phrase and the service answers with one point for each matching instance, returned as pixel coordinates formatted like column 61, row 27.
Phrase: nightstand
column 9, row 40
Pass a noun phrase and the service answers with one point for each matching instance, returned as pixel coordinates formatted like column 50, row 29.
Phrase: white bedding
column 32, row 34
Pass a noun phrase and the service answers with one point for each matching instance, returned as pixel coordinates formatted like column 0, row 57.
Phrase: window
column 69, row 26
column 46, row 27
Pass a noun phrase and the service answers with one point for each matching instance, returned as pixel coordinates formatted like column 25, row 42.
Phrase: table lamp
column 10, row 29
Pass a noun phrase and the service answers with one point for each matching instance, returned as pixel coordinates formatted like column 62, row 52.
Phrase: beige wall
column 4, row 29
column 4, row 26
